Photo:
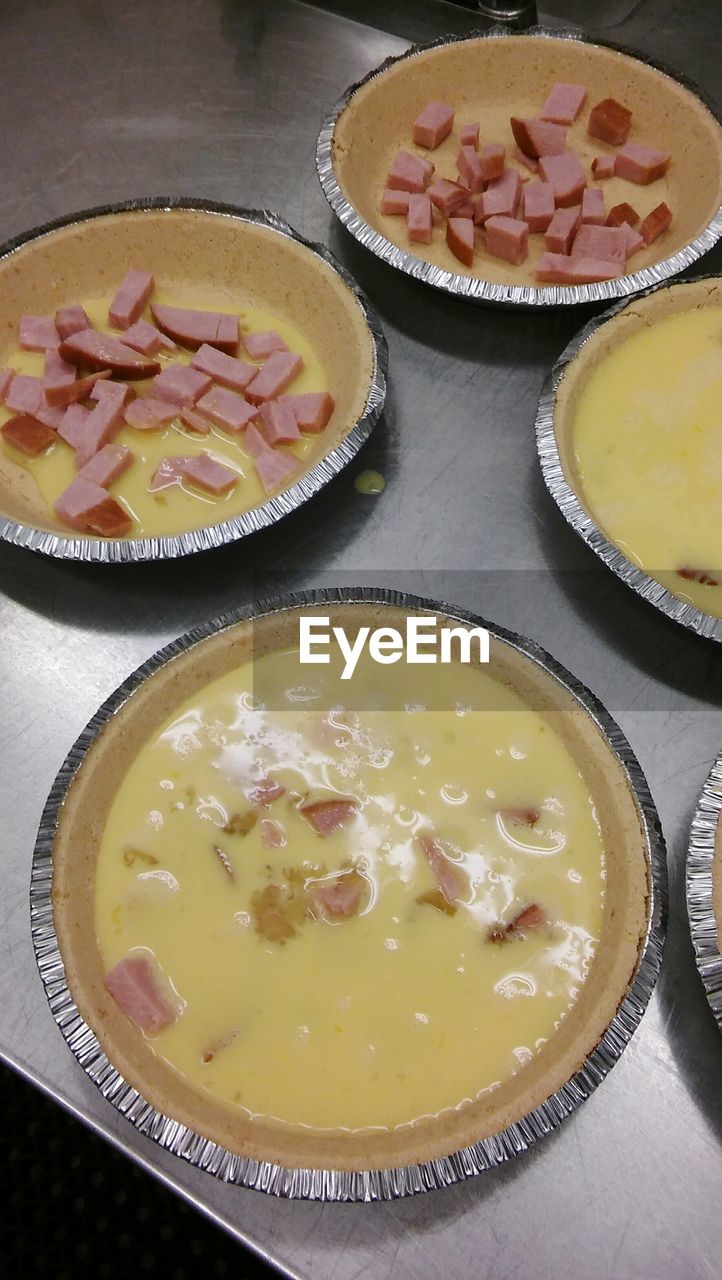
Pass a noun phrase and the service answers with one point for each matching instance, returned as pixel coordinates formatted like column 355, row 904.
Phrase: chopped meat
column 609, row 244
column 70, row 320
column 558, row 268
column 652, row 226
column 278, row 422
column 501, row 197
column 226, row 370
column 466, row 210
column 527, row 161
column 101, row 426
column 263, row 793
column 181, row 385
column 107, row 465
column 118, row 392
column 69, row 392
column 620, row 213
column 86, row 505
column 446, row 196
column 433, row 125
column 460, row 239
column 521, row 817
column 538, row 138
column 562, row 229
column 327, row 816
column 228, row 409
column 137, row 987
column 275, row 468
column 192, row 328
column 339, row 895
column 133, row 293
column 418, row 219
column 537, row 204
column 144, row 337
column 395, row 203
column 268, row 908
column 603, row 167
column 23, row 394
column 195, row 421
column 532, row 917
column 491, row 161
column 564, row 103
column 566, row 174
column 640, row 164
column 101, row 351
column 468, row 162
column 38, row 333
column 207, row 474
column 409, row 173
column 272, row 834
column 255, row 442
column 449, row 876
column 312, row 409
column 58, row 375
column 507, row 238
column 593, row 206
column 435, row 898
column 277, row 373
column 73, row 427
column 164, row 411
column 610, row 122
column 261, row 345
column 27, row 435
column 469, row 135
column 139, row 414
column 634, row 239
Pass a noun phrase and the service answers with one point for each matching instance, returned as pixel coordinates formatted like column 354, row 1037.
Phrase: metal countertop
column 227, row 106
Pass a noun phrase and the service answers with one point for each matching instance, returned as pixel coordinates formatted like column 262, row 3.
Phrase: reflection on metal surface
column 329, row 1184
column 132, row 550
column 570, row 504
column 700, row 902
column 471, row 288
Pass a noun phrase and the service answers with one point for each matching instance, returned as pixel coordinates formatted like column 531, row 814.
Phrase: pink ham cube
column 528, row 162
column 38, row 333
column 409, row 173
column 164, row 411
column 557, row 268
column 312, row 410
column 640, row 164
column 73, row 426
column 491, row 160
column 101, row 426
column 564, row 103
column 181, row 384
column 538, row 138
column 593, row 210
column 70, row 320
column 507, row 238
column 195, row 421
column 209, row 475
column 23, row 394
column 460, row 239
column 603, row 167
column 144, row 337
column 561, row 231
column 395, row 203
column 418, row 219
column 107, row 465
column 537, row 203
column 468, row 162
column 433, row 125
column 606, row 244
column 469, row 135
column 275, row 468
column 501, row 197
column 134, row 291
column 278, row 422
column 261, row 345
column 118, row 392
column 227, row 409
column 634, row 239
column 135, row 986
column 227, row 370
column 446, row 196
column 58, row 375
column 277, row 373
column 566, row 174
column 254, row 441
column 87, row 505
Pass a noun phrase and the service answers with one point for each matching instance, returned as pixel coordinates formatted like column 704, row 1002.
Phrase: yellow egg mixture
column 180, row 507
column 648, row 448
column 402, row 1009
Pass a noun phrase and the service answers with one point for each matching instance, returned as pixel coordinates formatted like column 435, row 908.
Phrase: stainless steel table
column 98, row 107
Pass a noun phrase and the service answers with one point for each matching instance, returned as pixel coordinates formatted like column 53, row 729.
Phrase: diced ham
column 312, row 409
column 279, row 424
column 86, row 505
column 537, row 204
column 418, row 219
column 606, row 243
column 460, row 239
column 409, row 173
column 118, row 392
column 207, row 474
column 532, row 917
column 50, row 414
column 468, row 162
column 164, row 411
column 136, row 987
column 227, row 370
column 272, row 834
column 139, row 415
column 101, row 351
column 254, row 441
column 433, row 125
column 73, row 427
column 634, row 239
column 501, row 197
column 538, row 138
column 395, row 203
column 101, row 426
column 640, row 164
column 263, row 792
column 58, row 375
column 652, row 226
column 277, row 373
column 449, row 876
column 27, row 434
column 38, row 333
column 338, row 895
column 78, row 389
column 23, row 394
column 107, row 465
column 491, row 161
column 134, row 291
column 261, row 345
column 527, row 161
column 168, row 472
column 564, row 103
column 610, row 121
column 144, row 337
column 195, row 421
column 327, row 816
column 593, row 206
column 466, row 210
column 557, row 268
column 227, row 409
column 603, row 167
column 181, row 384
column 622, row 213
column 446, row 196
column 566, row 174
column 562, row 229
column 70, row 320
column 507, row 238
column 275, row 468
column 469, row 135
column 192, row 328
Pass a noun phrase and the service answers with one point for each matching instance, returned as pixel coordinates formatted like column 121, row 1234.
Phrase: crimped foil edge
column 171, row 546
column 570, row 505
column 700, row 907
column 332, row 1184
column 472, row 288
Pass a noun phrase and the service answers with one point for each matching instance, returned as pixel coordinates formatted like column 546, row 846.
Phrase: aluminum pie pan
column 330, row 1184
column 570, row 504
column 699, row 883
column 171, row 546
column 486, row 292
